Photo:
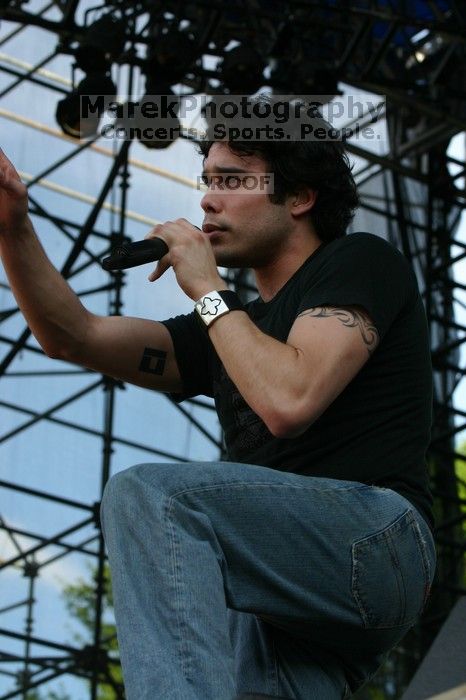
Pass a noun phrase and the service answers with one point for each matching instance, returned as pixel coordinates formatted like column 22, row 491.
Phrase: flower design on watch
column 215, row 304
column 210, row 306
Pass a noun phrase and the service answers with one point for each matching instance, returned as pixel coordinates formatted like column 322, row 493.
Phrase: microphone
column 132, row 254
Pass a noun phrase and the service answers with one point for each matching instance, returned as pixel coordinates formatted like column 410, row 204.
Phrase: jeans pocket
column 391, row 574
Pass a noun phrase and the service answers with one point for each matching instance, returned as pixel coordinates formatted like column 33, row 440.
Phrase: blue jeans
column 232, row 578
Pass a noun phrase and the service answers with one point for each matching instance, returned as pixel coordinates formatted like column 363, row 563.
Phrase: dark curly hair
column 322, row 165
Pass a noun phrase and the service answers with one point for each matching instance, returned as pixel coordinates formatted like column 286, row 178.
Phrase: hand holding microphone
column 175, row 244
column 139, row 253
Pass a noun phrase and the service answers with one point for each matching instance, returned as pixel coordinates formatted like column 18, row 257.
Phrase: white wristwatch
column 215, row 304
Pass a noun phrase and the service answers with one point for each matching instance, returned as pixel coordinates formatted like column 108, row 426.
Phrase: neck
column 274, row 275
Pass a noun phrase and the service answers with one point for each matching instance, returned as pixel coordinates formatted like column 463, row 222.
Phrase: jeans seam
column 184, row 657
column 400, row 582
column 425, row 559
column 355, row 548
column 409, row 518
column 354, row 585
column 213, row 487
column 275, row 667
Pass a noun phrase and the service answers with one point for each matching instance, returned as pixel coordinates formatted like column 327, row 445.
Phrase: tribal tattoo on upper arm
column 350, row 317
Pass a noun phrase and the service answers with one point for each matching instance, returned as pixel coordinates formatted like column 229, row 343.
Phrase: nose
column 211, row 202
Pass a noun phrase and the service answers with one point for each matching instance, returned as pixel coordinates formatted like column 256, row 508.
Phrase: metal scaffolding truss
column 414, row 54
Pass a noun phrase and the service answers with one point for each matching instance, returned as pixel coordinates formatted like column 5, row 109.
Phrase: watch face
column 210, row 307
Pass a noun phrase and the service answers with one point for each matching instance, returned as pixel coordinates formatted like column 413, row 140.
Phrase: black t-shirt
column 378, row 429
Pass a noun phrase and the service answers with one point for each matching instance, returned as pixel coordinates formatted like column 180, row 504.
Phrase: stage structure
column 410, row 56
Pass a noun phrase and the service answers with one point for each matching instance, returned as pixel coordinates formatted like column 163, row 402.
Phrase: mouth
column 212, row 230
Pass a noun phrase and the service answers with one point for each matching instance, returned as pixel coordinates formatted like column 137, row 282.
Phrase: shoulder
column 366, row 250
column 364, row 241
column 361, row 270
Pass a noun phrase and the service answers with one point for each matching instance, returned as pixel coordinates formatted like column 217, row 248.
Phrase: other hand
column 13, row 198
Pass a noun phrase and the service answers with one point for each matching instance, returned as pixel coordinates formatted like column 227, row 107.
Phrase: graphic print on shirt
column 244, row 430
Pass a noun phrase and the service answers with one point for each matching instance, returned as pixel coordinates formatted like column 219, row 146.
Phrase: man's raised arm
column 135, row 350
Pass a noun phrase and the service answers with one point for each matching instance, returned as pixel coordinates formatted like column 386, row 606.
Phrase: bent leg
column 268, row 659
column 168, row 592
column 188, row 541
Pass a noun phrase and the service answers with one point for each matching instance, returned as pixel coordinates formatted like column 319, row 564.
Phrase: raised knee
column 121, row 493
column 127, row 492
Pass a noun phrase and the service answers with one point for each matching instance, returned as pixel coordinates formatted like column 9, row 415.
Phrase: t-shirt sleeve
column 365, row 270
column 193, row 355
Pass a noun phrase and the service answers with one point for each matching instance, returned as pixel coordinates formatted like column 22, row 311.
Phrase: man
column 291, row 569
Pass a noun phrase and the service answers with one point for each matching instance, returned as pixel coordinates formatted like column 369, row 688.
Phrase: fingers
column 162, row 266
column 154, row 232
column 9, row 178
column 172, row 233
column 3, row 159
column 10, row 184
column 168, row 230
column 7, row 167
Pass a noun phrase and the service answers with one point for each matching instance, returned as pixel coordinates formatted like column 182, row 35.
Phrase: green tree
column 460, row 471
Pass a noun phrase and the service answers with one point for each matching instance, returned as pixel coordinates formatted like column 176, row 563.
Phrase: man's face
column 245, row 228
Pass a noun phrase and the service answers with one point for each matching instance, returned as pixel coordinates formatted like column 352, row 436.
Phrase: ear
column 302, row 201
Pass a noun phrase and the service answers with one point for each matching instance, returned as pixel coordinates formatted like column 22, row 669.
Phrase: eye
column 205, row 179
column 232, row 182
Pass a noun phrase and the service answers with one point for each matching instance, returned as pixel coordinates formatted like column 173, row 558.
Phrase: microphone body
column 132, row 254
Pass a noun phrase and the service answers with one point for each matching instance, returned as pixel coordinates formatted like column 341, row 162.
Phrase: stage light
column 152, row 142
column 425, row 47
column 152, row 119
column 170, row 56
column 69, row 113
column 242, row 70
column 102, row 42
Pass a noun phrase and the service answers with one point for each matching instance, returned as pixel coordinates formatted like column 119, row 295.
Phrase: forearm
column 265, row 370
column 52, row 310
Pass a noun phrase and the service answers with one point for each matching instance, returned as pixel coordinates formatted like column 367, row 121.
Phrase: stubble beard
column 253, row 259
column 256, row 251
